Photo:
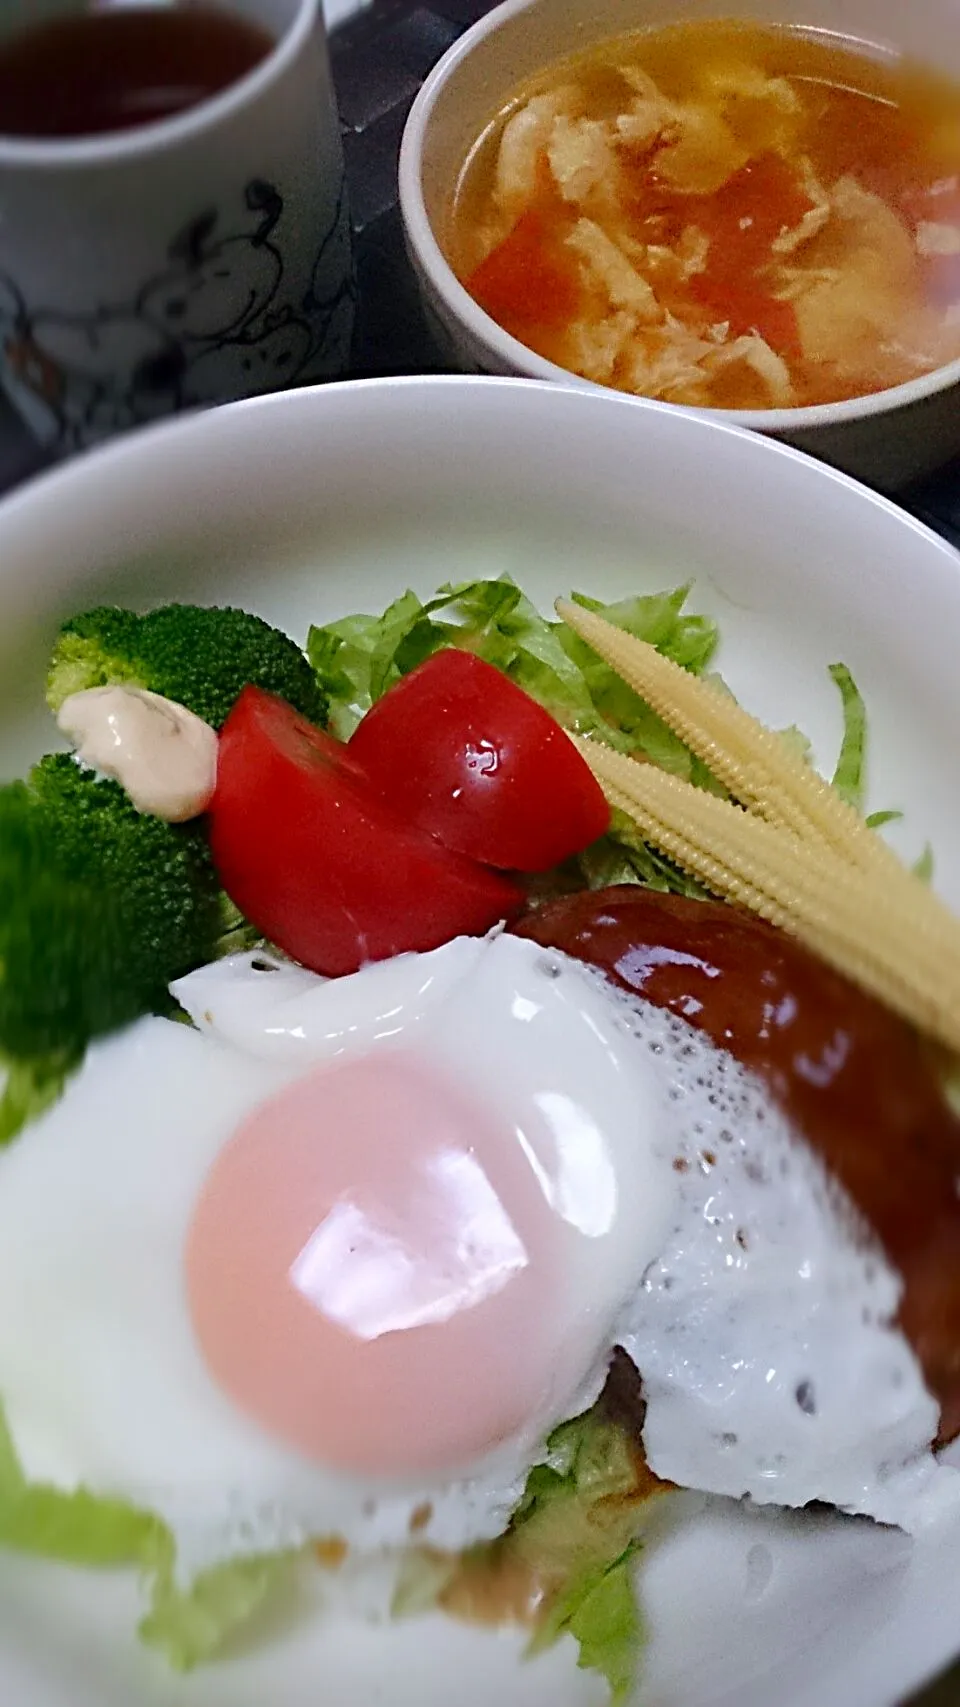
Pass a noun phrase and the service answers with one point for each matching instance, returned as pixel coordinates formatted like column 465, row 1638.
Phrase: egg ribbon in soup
column 723, row 216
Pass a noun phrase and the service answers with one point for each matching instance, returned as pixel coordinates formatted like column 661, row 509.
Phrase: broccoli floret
column 201, row 657
column 101, row 906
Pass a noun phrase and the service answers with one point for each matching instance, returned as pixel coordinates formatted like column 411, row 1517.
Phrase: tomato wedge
column 748, row 308
column 459, row 750
column 530, row 281
column 743, row 218
column 326, row 870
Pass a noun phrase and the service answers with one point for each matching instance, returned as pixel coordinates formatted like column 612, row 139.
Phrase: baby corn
column 792, row 851
column 753, row 762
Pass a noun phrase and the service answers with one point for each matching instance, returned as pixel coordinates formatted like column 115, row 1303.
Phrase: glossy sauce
column 861, row 303
column 94, row 72
column 857, row 1082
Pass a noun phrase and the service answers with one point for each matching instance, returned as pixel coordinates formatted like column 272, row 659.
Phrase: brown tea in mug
column 92, row 72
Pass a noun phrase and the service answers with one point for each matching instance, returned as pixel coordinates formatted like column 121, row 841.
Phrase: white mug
column 190, row 261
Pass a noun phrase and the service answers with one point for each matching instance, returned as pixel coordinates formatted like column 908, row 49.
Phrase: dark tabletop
column 380, row 58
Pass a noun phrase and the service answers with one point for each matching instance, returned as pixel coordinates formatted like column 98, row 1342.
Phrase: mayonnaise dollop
column 163, row 755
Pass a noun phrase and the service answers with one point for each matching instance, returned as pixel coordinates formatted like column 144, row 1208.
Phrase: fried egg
column 340, row 1276
column 765, row 1329
column 335, row 1260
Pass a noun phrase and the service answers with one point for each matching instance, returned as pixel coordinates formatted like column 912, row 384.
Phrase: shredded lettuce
column 359, row 657
column 578, row 1521
column 193, row 1624
column 606, row 1623
column 849, row 777
column 575, row 1534
column 797, row 743
column 923, row 867
column 187, row 1624
column 621, row 856
column 76, row 1528
column 575, row 1528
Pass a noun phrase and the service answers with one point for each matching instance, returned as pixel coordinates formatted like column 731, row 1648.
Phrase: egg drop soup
column 722, row 215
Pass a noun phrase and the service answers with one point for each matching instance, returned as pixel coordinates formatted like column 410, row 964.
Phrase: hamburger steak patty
column 858, row 1084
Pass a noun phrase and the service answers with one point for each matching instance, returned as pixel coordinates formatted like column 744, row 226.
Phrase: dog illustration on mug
column 208, row 326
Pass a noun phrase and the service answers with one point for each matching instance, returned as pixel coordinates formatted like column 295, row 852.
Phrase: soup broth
column 722, row 215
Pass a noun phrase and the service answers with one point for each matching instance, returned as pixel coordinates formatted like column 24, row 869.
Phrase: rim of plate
column 140, row 444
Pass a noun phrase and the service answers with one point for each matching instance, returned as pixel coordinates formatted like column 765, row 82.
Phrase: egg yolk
column 371, row 1269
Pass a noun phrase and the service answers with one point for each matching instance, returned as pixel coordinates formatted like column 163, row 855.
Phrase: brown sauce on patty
column 857, row 1083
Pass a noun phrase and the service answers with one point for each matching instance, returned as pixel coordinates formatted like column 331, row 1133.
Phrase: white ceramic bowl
column 310, row 504
column 887, row 439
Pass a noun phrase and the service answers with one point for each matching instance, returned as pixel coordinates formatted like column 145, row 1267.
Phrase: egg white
column 96, row 1199
column 766, row 1331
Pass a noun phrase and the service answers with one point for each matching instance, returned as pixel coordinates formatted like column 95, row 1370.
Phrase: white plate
column 310, row 504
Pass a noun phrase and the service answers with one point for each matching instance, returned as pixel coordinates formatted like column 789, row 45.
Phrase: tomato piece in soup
column 748, row 212
column 529, row 281
column 748, row 309
column 743, row 219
